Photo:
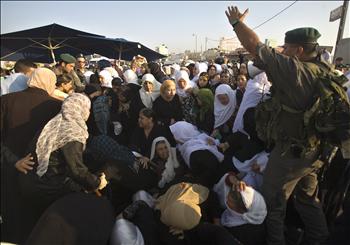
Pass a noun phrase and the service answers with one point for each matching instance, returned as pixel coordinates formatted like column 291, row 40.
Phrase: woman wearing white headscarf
column 184, row 88
column 198, row 69
column 199, row 151
column 255, row 91
column 150, row 90
column 165, row 157
column 224, row 108
column 130, row 77
column 132, row 81
column 105, row 79
column 245, row 211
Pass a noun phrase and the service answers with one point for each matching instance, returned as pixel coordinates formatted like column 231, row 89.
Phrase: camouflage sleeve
column 281, row 69
column 289, row 75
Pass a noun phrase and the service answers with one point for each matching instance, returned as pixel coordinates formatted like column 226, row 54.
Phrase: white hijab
column 252, row 178
column 107, row 79
column 172, row 163
column 176, row 68
column 189, row 84
column 113, row 71
column 148, row 97
column 255, row 90
column 222, row 112
column 253, row 201
column 246, row 166
column 192, row 140
column 67, row 126
column 131, row 77
column 126, row 233
column 202, row 67
column 218, row 68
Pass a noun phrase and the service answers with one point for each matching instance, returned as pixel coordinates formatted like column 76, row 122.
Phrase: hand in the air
column 233, row 14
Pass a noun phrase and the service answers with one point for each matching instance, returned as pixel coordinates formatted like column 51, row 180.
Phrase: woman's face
column 202, row 82
column 182, row 83
column 212, row 71
column 133, row 67
column 148, row 86
column 195, row 71
column 216, row 78
column 223, row 98
column 162, row 150
column 170, row 92
column 101, row 78
column 241, row 82
column 67, row 87
column 122, row 98
column 225, row 78
column 144, row 121
column 243, row 69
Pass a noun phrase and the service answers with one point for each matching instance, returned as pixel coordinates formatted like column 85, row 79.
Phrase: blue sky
column 171, row 23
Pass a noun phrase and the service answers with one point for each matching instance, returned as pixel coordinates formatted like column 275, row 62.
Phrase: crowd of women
column 142, row 155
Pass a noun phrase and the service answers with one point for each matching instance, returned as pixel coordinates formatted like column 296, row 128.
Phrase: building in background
column 228, row 44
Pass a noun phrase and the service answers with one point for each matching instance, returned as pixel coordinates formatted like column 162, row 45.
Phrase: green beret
column 67, row 58
column 303, row 35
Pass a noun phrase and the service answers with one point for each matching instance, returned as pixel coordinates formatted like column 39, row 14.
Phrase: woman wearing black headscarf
column 157, row 72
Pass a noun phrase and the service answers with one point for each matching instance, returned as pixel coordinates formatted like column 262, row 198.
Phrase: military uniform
column 78, row 85
column 288, row 170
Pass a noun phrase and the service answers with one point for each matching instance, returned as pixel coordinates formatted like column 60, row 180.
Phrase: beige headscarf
column 43, row 78
column 179, row 206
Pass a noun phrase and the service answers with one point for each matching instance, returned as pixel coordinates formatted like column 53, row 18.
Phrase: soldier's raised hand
column 234, row 14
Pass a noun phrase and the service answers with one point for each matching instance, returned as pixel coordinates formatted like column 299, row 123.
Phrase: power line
column 275, row 15
column 280, row 12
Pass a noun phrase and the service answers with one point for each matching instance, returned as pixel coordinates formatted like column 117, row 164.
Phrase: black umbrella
column 42, row 43
column 115, row 48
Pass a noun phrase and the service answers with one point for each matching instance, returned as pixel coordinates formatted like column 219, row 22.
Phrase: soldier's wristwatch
column 234, row 23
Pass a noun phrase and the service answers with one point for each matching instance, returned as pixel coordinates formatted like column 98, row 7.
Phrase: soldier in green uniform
column 293, row 162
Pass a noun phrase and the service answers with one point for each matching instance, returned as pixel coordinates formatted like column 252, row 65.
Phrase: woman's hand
column 224, row 146
column 237, row 184
column 210, row 141
column 214, row 133
column 25, row 164
column 255, row 167
column 103, row 182
column 144, row 162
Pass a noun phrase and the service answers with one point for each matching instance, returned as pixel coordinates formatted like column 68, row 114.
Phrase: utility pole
column 341, row 26
column 196, row 36
column 206, row 42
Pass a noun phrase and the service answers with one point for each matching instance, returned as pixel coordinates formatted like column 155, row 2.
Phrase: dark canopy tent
column 41, row 44
column 44, row 43
column 116, row 48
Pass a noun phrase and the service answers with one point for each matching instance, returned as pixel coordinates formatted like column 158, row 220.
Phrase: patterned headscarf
column 67, row 126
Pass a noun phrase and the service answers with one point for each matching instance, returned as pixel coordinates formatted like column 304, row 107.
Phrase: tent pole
column 120, row 53
column 52, row 53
